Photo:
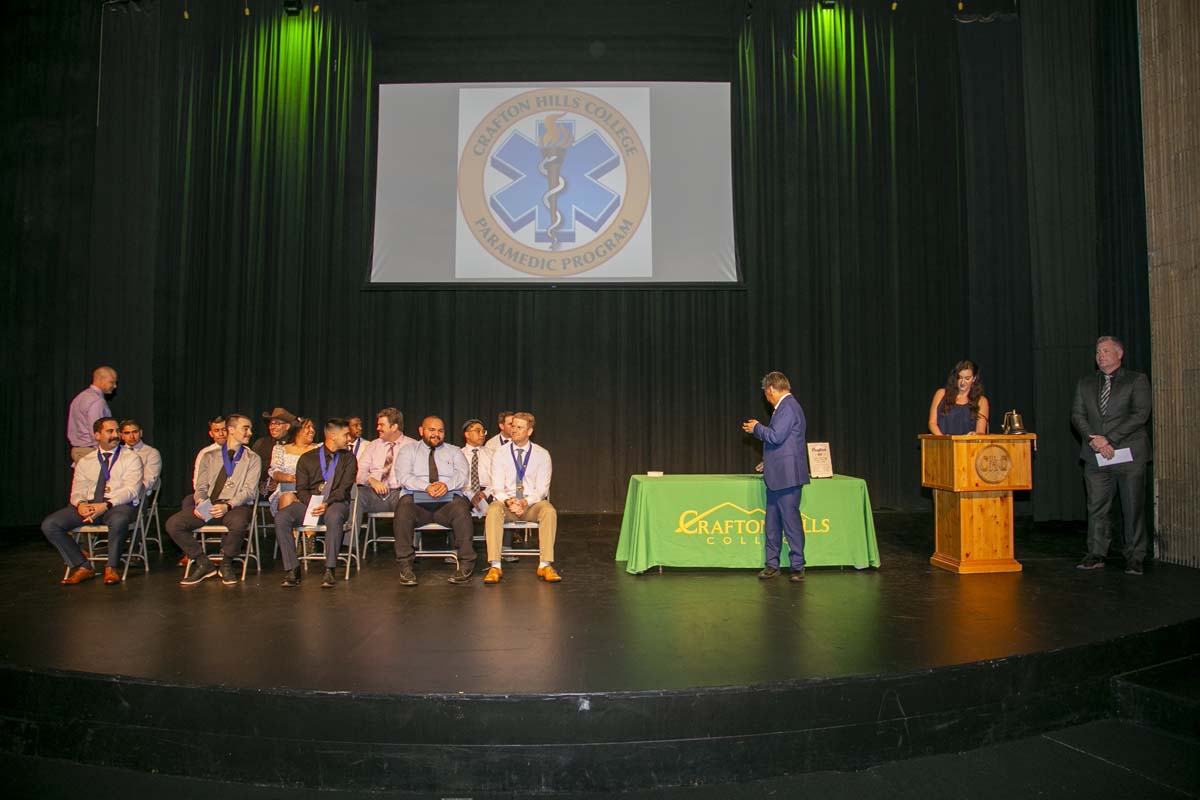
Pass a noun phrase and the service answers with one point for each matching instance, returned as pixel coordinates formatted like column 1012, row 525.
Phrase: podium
column 973, row 478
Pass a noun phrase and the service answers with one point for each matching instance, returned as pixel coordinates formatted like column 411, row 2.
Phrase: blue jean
column 57, row 526
column 783, row 511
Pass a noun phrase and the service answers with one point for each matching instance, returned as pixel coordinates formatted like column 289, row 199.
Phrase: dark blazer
column 1124, row 424
column 308, row 475
column 785, row 452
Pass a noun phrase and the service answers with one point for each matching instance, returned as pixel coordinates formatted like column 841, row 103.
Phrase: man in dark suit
column 785, row 471
column 1110, row 412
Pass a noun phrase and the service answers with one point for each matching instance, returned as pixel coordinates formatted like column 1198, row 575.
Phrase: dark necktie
column 218, row 486
column 474, row 471
column 433, row 470
column 387, row 462
column 101, row 481
column 1105, row 393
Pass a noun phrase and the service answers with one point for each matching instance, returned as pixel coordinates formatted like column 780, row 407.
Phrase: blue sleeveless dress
column 958, row 422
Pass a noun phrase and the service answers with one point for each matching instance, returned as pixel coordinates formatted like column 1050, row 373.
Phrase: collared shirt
column 124, row 479
column 309, row 478
column 780, row 400
column 212, row 448
column 496, row 442
column 537, row 473
column 87, row 407
column 374, row 456
column 357, row 447
column 485, row 467
column 151, row 464
column 241, row 488
column 412, row 467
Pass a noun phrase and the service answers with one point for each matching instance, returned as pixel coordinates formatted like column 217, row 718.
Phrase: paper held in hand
column 1121, row 456
column 820, row 462
column 309, row 517
column 204, row 510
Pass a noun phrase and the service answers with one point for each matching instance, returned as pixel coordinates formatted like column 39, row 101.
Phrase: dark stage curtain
column 894, row 214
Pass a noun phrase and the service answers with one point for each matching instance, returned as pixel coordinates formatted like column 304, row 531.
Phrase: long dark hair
column 973, row 395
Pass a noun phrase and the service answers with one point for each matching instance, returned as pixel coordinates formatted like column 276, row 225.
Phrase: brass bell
column 1012, row 422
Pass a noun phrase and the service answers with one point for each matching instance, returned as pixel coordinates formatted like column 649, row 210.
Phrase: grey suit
column 1124, row 424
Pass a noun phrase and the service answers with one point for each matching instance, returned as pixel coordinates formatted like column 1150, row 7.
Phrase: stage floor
column 600, row 630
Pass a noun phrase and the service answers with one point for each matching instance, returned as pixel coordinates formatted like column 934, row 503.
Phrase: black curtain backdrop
column 909, row 190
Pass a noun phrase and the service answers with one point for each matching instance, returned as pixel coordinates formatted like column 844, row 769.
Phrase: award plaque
column 820, row 463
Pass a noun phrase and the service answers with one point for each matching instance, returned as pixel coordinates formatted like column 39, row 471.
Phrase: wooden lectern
column 973, row 478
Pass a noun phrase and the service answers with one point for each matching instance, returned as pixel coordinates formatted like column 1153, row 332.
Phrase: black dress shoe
column 229, row 575
column 329, row 580
column 291, row 578
column 461, row 576
column 407, row 578
column 768, row 573
column 1133, row 567
column 202, row 570
column 797, row 576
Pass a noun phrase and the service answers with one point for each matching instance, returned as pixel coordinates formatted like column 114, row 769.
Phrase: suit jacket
column 1124, row 424
column 785, row 452
column 242, row 486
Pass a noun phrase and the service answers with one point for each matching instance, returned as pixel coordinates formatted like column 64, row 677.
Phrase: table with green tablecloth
column 718, row 521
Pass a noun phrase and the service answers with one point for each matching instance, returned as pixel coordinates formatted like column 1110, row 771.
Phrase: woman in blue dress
column 960, row 407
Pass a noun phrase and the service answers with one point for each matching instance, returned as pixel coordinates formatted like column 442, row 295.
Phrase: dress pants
column 454, row 514
column 371, row 503
column 292, row 517
column 1103, row 484
column 56, row 528
column 181, row 525
column 540, row 512
column 783, row 511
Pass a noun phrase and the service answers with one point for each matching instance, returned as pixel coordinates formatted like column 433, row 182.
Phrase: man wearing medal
column 225, row 492
column 328, row 471
column 521, row 472
column 105, row 491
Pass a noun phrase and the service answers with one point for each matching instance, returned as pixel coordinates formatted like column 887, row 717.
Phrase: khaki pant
column 540, row 512
column 77, row 453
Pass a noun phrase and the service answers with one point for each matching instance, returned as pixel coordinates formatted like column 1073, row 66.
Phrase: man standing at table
column 1110, row 411
column 785, row 471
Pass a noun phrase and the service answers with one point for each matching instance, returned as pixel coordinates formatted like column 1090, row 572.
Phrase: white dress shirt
column 358, row 447
column 496, row 442
column 151, row 465
column 485, row 475
column 374, row 456
column 537, row 473
column 196, row 467
column 124, row 479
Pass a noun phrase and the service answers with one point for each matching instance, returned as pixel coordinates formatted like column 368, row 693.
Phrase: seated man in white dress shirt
column 105, row 491
column 378, row 484
column 357, row 442
column 131, row 437
column 520, row 485
column 504, row 426
column 434, row 477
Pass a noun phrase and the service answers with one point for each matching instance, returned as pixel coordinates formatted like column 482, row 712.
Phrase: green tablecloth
column 717, row 521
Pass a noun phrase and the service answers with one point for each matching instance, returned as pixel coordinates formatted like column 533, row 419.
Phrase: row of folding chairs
column 93, row 539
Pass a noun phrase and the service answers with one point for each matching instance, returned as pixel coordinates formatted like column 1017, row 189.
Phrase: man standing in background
column 88, row 406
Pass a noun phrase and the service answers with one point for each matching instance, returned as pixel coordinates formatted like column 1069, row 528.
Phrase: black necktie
column 474, row 471
column 101, row 481
column 433, row 470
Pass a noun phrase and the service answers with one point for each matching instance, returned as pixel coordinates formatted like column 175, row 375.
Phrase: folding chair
column 96, row 537
column 310, row 535
column 372, row 535
column 211, row 535
column 152, row 516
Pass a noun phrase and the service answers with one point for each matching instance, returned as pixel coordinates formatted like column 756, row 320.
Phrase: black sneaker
column 202, row 570
column 1133, row 567
column 329, row 580
column 797, row 575
column 1091, row 562
column 291, row 578
column 229, row 575
column 462, row 576
column 407, row 578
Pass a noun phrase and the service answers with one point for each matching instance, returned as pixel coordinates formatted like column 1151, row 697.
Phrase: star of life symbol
column 555, row 181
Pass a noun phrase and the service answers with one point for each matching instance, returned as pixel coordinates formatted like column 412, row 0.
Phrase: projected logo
column 556, row 182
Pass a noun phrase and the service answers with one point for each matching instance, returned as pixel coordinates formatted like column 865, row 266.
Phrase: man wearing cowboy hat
column 280, row 422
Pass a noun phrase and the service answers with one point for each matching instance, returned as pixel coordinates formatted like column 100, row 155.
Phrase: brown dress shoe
column 111, row 576
column 79, row 575
column 493, row 576
column 548, row 574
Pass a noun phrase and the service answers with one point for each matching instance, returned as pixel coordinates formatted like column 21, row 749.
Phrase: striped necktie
column 1105, row 393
